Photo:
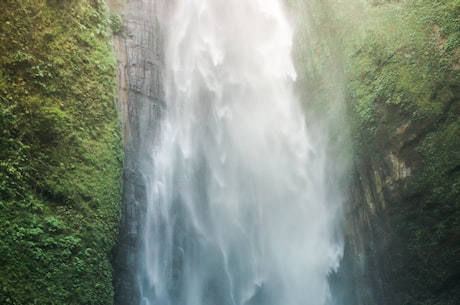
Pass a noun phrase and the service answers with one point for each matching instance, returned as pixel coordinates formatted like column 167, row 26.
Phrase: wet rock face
column 375, row 251
column 140, row 100
column 397, row 249
column 380, row 191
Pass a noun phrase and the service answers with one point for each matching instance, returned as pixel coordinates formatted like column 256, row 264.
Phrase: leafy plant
column 60, row 153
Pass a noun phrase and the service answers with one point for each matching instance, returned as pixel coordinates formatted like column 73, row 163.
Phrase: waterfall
column 237, row 210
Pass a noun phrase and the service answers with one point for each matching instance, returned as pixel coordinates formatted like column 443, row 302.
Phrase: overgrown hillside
column 402, row 64
column 60, row 152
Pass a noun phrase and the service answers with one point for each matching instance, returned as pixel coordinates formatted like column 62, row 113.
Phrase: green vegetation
column 116, row 23
column 406, row 62
column 60, row 153
column 402, row 65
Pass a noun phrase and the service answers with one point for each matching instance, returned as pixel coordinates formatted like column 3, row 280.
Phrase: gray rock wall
column 375, row 258
column 140, row 100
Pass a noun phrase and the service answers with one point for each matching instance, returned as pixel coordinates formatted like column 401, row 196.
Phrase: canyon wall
column 140, row 100
column 402, row 218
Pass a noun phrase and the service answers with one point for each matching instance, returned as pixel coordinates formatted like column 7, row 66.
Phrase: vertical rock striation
column 375, row 254
column 140, row 99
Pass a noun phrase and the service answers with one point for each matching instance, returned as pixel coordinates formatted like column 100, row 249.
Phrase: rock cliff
column 140, row 100
column 402, row 218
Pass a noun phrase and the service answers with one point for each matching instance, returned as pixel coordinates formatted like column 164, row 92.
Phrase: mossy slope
column 403, row 74
column 60, row 155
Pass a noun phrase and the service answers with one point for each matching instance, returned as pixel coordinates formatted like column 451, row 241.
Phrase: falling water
column 238, row 209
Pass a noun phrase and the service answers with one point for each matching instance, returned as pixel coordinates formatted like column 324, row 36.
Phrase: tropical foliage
column 402, row 65
column 60, row 153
